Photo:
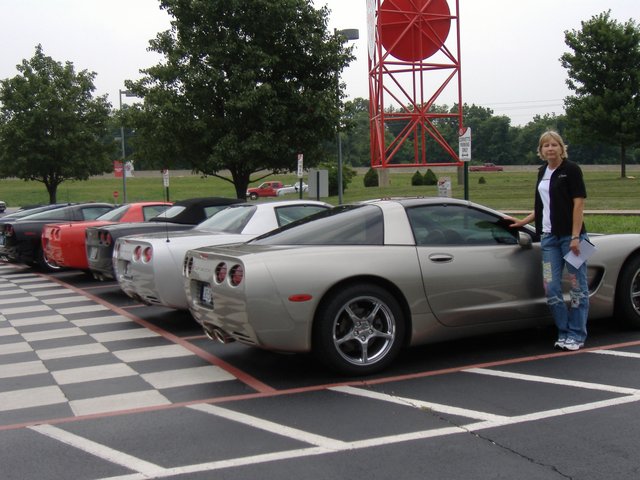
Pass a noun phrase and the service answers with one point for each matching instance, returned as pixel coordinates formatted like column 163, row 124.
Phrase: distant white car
column 292, row 189
column 149, row 267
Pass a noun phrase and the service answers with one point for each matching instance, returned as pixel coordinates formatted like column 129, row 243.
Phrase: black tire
column 364, row 348
column 45, row 264
column 253, row 196
column 628, row 293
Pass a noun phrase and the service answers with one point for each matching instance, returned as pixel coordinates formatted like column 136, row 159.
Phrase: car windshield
column 114, row 215
column 343, row 225
column 230, row 220
column 172, row 212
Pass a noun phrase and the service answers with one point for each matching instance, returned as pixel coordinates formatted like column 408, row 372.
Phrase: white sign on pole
column 300, row 167
column 165, row 177
column 464, row 144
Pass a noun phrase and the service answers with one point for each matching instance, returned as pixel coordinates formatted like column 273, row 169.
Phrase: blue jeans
column 571, row 319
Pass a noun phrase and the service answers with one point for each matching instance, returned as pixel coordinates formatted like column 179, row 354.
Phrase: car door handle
column 441, row 257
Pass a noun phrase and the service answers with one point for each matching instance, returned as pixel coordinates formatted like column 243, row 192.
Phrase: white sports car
column 149, row 267
column 360, row 282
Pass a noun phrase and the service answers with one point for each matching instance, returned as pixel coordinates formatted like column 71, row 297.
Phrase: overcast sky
column 510, row 48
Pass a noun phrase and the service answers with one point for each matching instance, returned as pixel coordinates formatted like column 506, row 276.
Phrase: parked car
column 363, row 281
column 487, row 167
column 184, row 214
column 20, row 239
column 149, row 267
column 30, row 210
column 63, row 244
column 295, row 188
column 266, row 189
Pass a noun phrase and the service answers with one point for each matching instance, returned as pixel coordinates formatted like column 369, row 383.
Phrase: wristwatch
column 576, row 237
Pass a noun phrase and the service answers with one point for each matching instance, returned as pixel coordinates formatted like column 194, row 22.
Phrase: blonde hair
column 552, row 135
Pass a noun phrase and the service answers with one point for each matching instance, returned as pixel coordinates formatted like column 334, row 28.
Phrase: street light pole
column 347, row 34
column 126, row 93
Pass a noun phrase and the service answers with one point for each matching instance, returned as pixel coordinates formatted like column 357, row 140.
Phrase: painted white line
column 91, row 374
column 114, row 403
column 8, row 332
column 53, row 334
column 130, row 334
column 31, row 309
column 616, row 353
column 152, row 353
column 39, row 286
column 63, row 300
column 31, row 397
column 46, row 293
column 187, row 376
column 20, row 369
column 266, row 425
column 410, row 402
column 373, row 442
column 6, row 291
column 93, row 321
column 72, row 351
column 11, row 301
column 101, row 451
column 43, row 320
column 554, row 381
column 83, row 309
column 9, row 348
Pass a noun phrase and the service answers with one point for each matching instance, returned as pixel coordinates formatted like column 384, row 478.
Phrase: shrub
column 417, row 179
column 371, row 178
column 482, row 181
column 430, row 178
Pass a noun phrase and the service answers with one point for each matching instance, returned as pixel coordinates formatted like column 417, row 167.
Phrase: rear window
column 343, row 225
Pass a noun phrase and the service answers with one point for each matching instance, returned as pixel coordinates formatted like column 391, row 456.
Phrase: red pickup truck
column 266, row 189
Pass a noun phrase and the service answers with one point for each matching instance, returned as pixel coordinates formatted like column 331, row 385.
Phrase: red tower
column 414, row 59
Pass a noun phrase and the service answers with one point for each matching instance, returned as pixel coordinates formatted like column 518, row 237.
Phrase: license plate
column 93, row 253
column 206, row 295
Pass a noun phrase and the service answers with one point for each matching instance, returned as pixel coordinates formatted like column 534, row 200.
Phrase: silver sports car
column 361, row 281
column 149, row 267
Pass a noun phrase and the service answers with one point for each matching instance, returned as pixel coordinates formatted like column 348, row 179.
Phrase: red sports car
column 63, row 244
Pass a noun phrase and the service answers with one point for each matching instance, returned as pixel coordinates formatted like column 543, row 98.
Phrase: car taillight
column 147, row 254
column 137, row 253
column 187, row 266
column 236, row 275
column 221, row 272
column 105, row 238
column 8, row 230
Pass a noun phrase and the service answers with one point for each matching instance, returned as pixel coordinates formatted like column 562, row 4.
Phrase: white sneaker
column 573, row 345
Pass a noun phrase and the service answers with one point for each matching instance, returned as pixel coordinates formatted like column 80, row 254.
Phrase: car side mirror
column 524, row 240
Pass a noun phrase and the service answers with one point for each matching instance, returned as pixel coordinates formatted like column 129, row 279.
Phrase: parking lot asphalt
column 95, row 386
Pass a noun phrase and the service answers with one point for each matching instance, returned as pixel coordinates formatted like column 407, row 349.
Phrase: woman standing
column 559, row 220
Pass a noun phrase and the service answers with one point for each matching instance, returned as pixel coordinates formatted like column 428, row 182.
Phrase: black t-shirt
column 566, row 184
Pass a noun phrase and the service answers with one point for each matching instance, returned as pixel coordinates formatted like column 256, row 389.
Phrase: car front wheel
column 628, row 293
column 359, row 330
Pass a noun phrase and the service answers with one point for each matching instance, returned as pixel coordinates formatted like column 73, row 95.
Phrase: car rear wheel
column 253, row 196
column 628, row 293
column 359, row 330
column 45, row 263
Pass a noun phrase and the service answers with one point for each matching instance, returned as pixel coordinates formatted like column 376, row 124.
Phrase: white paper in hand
column 586, row 250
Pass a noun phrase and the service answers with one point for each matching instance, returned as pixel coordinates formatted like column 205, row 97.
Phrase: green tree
column 603, row 72
column 52, row 129
column 244, row 87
